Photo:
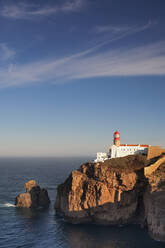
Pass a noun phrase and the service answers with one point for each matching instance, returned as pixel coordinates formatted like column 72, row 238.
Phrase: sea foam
column 8, row 205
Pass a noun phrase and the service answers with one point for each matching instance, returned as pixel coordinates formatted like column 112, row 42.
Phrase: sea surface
column 43, row 229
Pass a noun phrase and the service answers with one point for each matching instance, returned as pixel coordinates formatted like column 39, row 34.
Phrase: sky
column 74, row 71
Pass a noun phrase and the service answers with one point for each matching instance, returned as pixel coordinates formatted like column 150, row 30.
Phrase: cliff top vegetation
column 129, row 163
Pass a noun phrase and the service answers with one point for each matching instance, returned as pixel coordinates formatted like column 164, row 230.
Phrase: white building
column 125, row 150
column 121, row 150
column 101, row 156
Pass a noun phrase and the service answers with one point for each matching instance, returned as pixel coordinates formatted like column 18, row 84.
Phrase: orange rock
column 115, row 192
column 34, row 197
column 98, row 193
column 29, row 185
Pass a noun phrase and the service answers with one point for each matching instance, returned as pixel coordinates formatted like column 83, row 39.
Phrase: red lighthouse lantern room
column 116, row 138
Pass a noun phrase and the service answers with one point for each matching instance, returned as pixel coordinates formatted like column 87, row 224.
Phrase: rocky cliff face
column 115, row 192
column 154, row 201
column 34, row 197
column 102, row 192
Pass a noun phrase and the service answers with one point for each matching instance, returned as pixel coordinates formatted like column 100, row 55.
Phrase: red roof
column 134, row 145
column 116, row 132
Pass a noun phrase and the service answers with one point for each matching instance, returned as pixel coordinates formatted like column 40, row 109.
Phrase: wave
column 7, row 204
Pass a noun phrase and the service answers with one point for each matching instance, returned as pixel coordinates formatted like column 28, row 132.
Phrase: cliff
column 115, row 192
column 154, row 201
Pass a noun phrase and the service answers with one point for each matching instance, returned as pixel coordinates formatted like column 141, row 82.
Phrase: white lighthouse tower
column 116, row 136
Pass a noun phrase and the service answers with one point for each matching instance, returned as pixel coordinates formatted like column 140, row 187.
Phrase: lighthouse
column 118, row 150
column 116, row 136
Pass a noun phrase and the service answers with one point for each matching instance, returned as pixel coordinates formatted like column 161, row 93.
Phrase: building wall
column 150, row 169
column 101, row 156
column 123, row 151
column 154, row 151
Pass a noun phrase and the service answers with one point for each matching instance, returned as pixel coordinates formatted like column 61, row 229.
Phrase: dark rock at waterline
column 34, row 196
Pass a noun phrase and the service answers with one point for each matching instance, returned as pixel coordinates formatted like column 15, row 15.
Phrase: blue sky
column 74, row 71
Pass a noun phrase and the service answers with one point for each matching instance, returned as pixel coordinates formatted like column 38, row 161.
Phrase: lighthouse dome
column 116, row 134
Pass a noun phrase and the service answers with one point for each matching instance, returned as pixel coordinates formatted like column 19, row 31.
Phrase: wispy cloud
column 72, row 5
column 5, row 52
column 119, row 29
column 124, row 32
column 139, row 61
column 25, row 10
column 112, row 29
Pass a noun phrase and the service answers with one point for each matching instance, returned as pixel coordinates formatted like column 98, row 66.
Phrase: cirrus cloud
column 6, row 53
column 28, row 11
column 138, row 61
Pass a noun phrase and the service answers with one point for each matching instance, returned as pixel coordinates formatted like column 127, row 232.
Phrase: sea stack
column 34, row 196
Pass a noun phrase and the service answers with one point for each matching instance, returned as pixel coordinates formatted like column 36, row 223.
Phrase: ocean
column 26, row 228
